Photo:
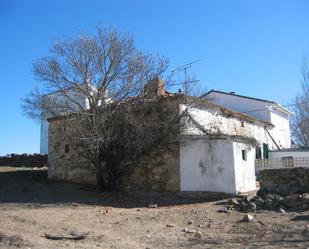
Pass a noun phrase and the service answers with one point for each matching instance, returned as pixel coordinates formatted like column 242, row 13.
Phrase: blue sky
column 252, row 47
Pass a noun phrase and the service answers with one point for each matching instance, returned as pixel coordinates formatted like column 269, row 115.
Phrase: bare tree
column 111, row 98
column 300, row 120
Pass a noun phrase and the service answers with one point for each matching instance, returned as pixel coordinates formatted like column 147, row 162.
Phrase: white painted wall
column 44, row 134
column 216, row 165
column 207, row 165
column 262, row 110
column 294, row 154
column 212, row 119
column 239, row 104
column 281, row 131
column 244, row 170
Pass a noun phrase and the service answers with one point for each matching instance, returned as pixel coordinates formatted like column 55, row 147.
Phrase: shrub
column 24, row 160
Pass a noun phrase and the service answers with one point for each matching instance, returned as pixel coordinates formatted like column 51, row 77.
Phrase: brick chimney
column 154, row 88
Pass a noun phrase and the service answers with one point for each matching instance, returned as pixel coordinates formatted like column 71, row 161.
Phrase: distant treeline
column 24, row 160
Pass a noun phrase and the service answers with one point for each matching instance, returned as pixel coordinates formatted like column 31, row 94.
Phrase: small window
column 258, row 152
column 244, row 155
column 66, row 148
column 242, row 123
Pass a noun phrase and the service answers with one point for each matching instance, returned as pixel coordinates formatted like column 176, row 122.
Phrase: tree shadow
column 32, row 188
column 300, row 218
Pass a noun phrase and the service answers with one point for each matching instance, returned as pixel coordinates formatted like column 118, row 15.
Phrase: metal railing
column 284, row 162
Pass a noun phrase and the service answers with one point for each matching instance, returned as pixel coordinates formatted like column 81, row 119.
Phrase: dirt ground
column 31, row 206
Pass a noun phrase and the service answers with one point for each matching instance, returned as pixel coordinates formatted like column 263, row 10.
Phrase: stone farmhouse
column 246, row 129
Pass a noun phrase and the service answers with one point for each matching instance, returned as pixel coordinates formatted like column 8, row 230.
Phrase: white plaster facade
column 217, row 163
column 264, row 110
column 227, row 169
column 244, row 169
column 205, row 165
column 212, row 120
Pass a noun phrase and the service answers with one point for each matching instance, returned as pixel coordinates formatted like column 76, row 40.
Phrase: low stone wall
column 285, row 181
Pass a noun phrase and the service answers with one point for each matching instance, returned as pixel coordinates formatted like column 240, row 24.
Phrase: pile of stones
column 291, row 202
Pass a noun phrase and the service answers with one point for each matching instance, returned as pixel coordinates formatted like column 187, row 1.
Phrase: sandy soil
column 31, row 206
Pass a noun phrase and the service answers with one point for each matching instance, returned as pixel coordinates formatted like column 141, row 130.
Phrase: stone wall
column 64, row 161
column 158, row 171
column 285, row 181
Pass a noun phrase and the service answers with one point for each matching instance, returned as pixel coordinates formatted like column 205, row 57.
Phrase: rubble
column 248, row 218
column 295, row 202
column 281, row 210
column 190, row 222
column 197, row 235
column 186, row 230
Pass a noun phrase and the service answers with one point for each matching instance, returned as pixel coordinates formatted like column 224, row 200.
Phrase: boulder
column 248, row 218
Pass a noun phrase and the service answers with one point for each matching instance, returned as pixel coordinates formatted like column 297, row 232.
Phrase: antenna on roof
column 185, row 68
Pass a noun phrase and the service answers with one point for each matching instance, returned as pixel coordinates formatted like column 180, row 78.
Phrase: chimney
column 154, row 88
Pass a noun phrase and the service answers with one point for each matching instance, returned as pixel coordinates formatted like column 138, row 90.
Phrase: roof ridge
column 239, row 95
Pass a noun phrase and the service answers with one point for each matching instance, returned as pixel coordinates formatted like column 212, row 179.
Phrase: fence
column 284, row 162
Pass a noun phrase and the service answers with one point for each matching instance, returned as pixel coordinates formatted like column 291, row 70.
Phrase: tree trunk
column 110, row 176
column 98, row 170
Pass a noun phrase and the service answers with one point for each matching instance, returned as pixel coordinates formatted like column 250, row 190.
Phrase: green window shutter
column 265, row 151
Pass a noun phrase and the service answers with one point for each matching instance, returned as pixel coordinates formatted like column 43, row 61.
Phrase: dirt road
column 31, row 206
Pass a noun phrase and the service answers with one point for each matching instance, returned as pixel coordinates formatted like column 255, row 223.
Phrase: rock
column 147, row 236
column 186, row 230
column 197, row 235
column 268, row 203
column 243, row 196
column 248, row 218
column 224, row 211
column 190, row 222
column 229, row 207
column 256, row 199
column 170, row 225
column 292, row 201
column 248, row 207
column 259, row 202
column 281, row 210
column 305, row 196
column 153, row 205
column 232, row 202
column 306, row 230
column 270, row 196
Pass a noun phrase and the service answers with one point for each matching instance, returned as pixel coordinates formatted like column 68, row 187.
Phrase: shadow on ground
column 33, row 188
